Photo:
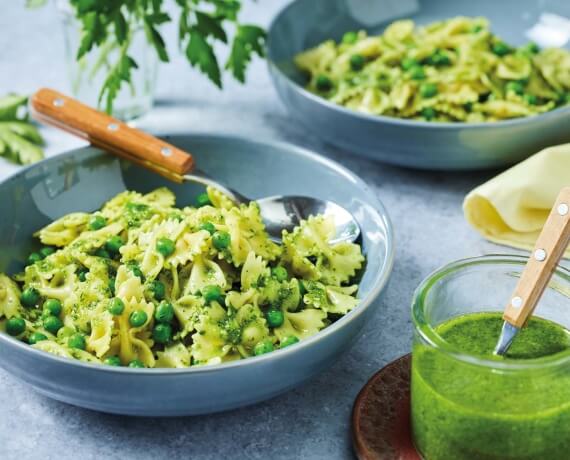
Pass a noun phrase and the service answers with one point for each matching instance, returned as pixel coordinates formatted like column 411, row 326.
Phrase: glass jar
column 88, row 75
column 469, row 407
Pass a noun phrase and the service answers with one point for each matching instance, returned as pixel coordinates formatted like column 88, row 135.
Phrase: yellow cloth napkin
column 512, row 208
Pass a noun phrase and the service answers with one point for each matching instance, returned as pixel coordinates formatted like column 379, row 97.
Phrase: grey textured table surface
column 312, row 421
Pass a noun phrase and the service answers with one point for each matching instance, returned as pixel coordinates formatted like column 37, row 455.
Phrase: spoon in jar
column 279, row 212
column 549, row 249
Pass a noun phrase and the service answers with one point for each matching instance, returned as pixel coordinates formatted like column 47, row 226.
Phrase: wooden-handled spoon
column 278, row 212
column 549, row 249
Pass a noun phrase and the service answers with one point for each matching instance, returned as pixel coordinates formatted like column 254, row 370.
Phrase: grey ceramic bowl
column 446, row 146
column 83, row 179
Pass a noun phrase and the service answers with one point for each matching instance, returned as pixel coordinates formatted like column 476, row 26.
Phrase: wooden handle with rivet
column 549, row 249
column 110, row 134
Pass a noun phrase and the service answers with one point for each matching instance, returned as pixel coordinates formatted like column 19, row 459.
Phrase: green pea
column 52, row 324
column 111, row 286
column 164, row 313
column 113, row 244
column 221, row 240
column 428, row 90
column 409, row 63
column 288, row 341
column 46, row 251
column 530, row 99
column 211, row 293
column 77, row 341
column 138, row 318
column 356, row 62
column 165, row 246
column 116, row 306
column 274, row 318
column 30, row 297
column 53, row 306
column 162, row 333
column 323, row 83
column 97, row 222
column 202, row 200
column 136, row 363
column 263, row 347
column 515, row 87
column 280, row 273
column 439, row 58
column 113, row 361
column 428, row 113
column 417, row 73
column 209, row 227
column 102, row 253
column 476, row 28
column 501, row 49
column 36, row 337
column 158, row 289
column 33, row 258
column 15, row 326
column 350, row 37
column 82, row 274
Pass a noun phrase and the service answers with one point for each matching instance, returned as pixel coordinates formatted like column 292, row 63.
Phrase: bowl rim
column 301, row 91
column 378, row 284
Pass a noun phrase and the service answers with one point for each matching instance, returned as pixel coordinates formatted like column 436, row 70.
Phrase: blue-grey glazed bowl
column 84, row 179
column 444, row 146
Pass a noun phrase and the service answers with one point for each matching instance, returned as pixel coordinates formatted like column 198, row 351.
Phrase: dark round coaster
column 381, row 415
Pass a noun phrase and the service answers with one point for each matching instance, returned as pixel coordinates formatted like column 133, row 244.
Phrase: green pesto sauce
column 465, row 411
column 477, row 334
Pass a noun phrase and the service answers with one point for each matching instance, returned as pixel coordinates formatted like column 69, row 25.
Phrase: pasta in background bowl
column 423, row 94
column 77, row 183
column 452, row 70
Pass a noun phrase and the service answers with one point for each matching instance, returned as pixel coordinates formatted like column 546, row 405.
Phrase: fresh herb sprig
column 201, row 23
column 20, row 141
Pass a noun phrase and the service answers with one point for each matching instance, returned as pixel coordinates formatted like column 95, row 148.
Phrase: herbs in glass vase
column 108, row 30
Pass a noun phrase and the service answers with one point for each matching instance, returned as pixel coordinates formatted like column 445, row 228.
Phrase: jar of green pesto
column 469, row 404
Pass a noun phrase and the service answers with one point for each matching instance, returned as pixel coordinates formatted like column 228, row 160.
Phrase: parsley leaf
column 249, row 40
column 20, row 141
column 201, row 54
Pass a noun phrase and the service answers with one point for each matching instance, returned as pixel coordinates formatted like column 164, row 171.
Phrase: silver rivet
column 113, row 127
column 540, row 255
column 58, row 102
column 516, row 302
column 166, row 151
column 562, row 209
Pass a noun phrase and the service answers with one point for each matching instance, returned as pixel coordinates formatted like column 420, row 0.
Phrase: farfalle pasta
column 142, row 283
column 452, row 70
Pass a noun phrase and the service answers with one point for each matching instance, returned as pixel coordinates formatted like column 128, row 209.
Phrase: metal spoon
column 278, row 212
column 549, row 249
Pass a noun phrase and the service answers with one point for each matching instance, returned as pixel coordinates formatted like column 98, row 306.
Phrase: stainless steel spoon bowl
column 286, row 212
column 278, row 212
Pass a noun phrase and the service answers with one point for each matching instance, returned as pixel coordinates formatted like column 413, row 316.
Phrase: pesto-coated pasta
column 143, row 283
column 452, row 70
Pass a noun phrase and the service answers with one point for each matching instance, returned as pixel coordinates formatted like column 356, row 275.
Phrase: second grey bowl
column 439, row 146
